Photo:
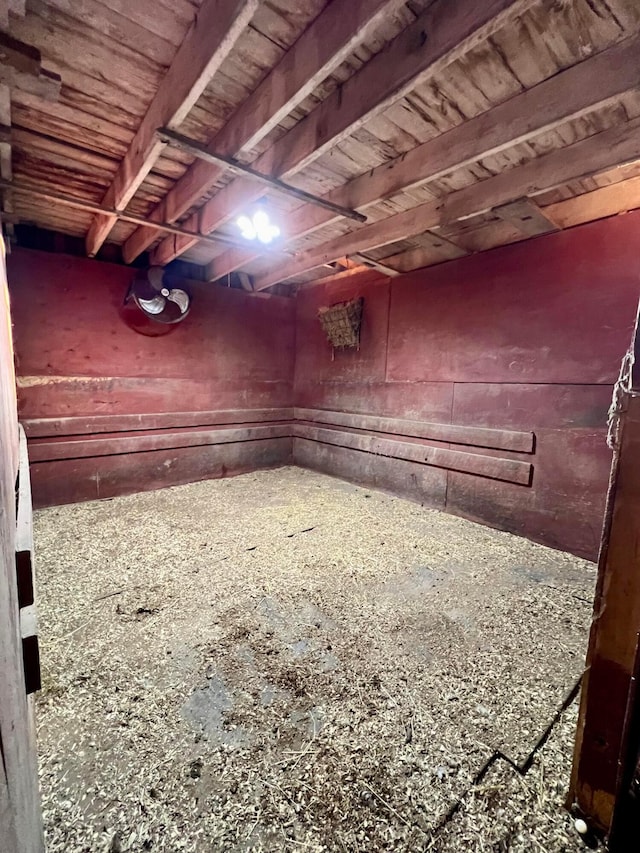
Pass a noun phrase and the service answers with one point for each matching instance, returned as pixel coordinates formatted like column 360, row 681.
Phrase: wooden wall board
column 613, row 642
column 522, row 442
column 563, row 399
column 96, row 424
column 424, row 484
column 20, row 819
column 145, row 441
column 97, row 478
column 99, row 391
column 592, row 254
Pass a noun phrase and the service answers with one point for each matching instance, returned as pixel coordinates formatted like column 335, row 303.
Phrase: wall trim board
column 498, row 439
column 64, row 481
column 54, row 440
column 95, row 424
column 492, row 467
column 43, row 450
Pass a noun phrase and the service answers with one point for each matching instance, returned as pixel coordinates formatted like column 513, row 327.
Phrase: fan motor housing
column 153, row 307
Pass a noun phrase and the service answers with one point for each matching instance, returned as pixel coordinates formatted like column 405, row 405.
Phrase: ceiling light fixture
column 258, row 227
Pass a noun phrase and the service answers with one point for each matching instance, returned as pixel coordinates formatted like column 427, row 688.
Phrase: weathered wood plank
column 24, row 529
column 318, row 51
column 196, row 61
column 613, row 640
column 522, row 442
column 605, row 150
column 569, row 95
column 598, row 204
column 25, row 574
column 526, row 216
column 94, row 424
column 510, row 470
column 20, row 819
column 444, row 32
column 94, row 478
column 47, row 450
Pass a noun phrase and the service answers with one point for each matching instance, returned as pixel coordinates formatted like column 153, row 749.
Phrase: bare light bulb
column 258, row 227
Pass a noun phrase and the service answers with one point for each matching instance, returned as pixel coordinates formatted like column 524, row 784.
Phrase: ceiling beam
column 235, row 167
column 605, row 150
column 568, row 95
column 214, row 32
column 321, row 48
column 42, row 193
column 443, row 33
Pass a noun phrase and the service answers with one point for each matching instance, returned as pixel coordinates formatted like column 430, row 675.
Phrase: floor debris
column 217, row 681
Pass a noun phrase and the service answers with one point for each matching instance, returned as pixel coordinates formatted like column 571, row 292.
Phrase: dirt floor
column 283, row 662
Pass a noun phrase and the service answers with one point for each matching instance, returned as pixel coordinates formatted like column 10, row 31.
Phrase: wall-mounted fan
column 153, row 303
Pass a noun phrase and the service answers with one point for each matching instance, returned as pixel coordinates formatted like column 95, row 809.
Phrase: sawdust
column 282, row 661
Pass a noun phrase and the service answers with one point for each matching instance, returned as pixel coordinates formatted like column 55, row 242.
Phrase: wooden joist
column 598, row 153
column 572, row 93
column 318, row 51
column 442, row 34
column 217, row 27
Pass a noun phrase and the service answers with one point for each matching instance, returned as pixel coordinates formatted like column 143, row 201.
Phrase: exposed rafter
column 325, row 44
column 443, row 33
column 598, row 153
column 580, row 89
column 217, row 27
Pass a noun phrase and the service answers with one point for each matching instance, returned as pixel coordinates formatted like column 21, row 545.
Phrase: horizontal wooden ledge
column 499, row 439
column 94, row 424
column 48, row 450
column 492, row 467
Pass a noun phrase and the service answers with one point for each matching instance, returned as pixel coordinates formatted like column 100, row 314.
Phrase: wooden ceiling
column 453, row 126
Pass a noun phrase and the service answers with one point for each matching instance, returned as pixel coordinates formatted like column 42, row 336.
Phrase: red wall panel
column 76, row 356
column 527, row 337
column 530, row 312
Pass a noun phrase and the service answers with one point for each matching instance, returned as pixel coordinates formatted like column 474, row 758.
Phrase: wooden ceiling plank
column 326, row 43
column 443, row 33
column 605, row 150
column 598, row 204
column 436, row 243
column 216, row 29
column 526, row 216
column 572, row 93
column 384, row 268
column 6, row 172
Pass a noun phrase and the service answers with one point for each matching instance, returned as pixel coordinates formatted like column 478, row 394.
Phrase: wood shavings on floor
column 283, row 661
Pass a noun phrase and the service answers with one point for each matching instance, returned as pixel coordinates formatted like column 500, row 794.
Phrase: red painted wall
column 527, row 337
column 524, row 339
column 76, row 358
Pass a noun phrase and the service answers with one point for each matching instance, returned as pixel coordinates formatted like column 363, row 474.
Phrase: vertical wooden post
column 601, row 753
column 20, row 818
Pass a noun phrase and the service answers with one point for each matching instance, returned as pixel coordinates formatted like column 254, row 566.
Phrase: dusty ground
column 282, row 661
